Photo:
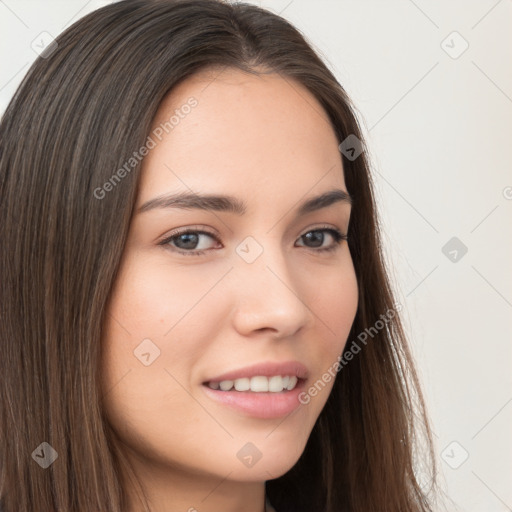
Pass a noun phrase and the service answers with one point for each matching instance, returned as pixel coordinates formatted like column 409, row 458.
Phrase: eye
column 189, row 241
column 193, row 242
column 317, row 238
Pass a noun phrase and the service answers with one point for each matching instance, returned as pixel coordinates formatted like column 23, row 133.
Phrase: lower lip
column 259, row 405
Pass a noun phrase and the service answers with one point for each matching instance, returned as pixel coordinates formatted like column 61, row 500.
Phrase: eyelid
column 196, row 228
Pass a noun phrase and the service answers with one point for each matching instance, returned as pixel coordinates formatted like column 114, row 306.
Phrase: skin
column 268, row 142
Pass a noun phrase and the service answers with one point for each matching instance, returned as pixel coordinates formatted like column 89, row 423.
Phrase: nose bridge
column 262, row 261
column 266, row 294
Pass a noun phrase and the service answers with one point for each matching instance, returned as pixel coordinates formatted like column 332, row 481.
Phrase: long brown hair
column 81, row 111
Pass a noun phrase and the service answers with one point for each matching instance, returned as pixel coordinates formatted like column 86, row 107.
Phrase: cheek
column 167, row 312
column 153, row 298
column 334, row 303
column 154, row 325
column 335, row 306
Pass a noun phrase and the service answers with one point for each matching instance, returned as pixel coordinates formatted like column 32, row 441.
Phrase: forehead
column 244, row 132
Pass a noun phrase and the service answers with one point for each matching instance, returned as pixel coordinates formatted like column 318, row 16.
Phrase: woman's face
column 266, row 286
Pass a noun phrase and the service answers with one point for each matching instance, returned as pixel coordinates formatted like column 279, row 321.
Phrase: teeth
column 292, row 382
column 258, row 384
column 243, row 384
column 226, row 385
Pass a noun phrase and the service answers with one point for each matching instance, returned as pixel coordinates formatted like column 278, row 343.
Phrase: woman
column 195, row 310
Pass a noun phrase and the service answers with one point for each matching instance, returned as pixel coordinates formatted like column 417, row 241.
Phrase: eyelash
column 337, row 235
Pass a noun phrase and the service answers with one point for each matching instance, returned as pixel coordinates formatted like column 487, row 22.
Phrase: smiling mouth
column 257, row 384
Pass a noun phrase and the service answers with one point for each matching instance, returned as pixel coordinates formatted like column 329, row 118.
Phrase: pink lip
column 259, row 405
column 265, row 370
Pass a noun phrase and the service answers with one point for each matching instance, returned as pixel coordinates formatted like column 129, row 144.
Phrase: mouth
column 257, row 384
column 268, row 389
column 258, row 397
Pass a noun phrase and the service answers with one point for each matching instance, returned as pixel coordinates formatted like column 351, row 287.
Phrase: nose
column 268, row 296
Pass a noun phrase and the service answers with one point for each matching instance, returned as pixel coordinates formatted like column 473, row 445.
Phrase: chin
column 275, row 461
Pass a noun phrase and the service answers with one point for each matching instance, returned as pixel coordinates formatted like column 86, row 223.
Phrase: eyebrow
column 226, row 203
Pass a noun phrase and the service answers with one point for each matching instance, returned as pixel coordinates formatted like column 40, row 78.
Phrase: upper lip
column 265, row 369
